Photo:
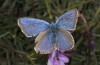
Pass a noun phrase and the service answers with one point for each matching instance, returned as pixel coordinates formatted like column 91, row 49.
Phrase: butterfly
column 51, row 36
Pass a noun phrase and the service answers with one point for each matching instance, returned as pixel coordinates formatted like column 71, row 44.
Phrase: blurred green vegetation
column 16, row 49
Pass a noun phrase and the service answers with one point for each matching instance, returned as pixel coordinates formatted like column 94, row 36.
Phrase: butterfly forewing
column 65, row 40
column 31, row 27
column 44, row 42
column 68, row 20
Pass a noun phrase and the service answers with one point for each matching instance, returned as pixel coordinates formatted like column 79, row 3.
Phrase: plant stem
column 24, row 54
column 48, row 8
column 90, row 41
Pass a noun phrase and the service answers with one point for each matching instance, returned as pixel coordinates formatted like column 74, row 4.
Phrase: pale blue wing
column 31, row 27
column 68, row 20
column 44, row 42
column 65, row 40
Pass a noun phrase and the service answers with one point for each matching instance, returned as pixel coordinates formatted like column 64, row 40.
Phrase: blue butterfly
column 51, row 36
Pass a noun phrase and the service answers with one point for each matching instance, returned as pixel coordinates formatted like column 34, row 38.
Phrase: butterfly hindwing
column 31, row 27
column 44, row 42
column 65, row 40
column 68, row 20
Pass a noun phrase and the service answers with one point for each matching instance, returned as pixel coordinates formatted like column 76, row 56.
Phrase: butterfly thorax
column 53, row 27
